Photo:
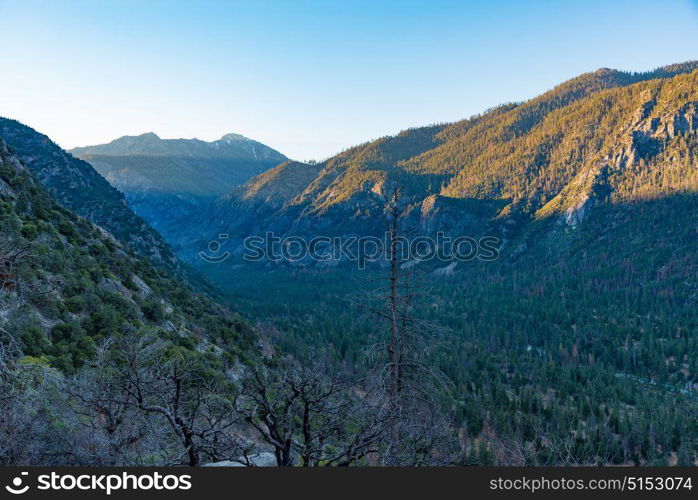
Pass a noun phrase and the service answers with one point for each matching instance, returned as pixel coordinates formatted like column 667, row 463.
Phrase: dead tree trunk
column 395, row 343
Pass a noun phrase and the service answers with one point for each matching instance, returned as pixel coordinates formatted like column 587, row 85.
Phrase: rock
column 575, row 214
column 5, row 190
column 111, row 285
column 265, row 459
column 446, row 271
column 143, row 288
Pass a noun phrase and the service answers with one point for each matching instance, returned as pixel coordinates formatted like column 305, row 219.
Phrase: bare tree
column 26, row 392
column 14, row 254
column 419, row 427
column 511, row 450
column 143, row 373
column 113, row 432
column 571, row 449
column 308, row 418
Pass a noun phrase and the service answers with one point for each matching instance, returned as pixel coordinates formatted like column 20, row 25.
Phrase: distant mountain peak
column 165, row 180
column 233, row 137
column 146, row 137
column 231, row 146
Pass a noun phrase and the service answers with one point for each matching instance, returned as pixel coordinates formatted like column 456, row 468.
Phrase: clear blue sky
column 308, row 77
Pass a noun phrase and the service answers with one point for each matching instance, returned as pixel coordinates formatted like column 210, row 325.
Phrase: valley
column 570, row 183
column 575, row 345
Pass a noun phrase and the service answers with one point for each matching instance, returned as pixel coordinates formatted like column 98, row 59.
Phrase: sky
column 309, row 78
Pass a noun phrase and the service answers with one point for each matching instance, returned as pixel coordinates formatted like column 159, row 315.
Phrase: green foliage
column 153, row 310
column 34, row 341
column 590, row 332
column 79, row 188
column 82, row 284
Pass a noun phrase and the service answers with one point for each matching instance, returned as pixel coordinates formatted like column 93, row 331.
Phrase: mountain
column 165, row 180
column 79, row 188
column 605, row 137
column 577, row 344
column 230, row 146
column 66, row 284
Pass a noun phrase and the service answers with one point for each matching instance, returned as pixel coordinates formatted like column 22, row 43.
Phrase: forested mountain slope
column 577, row 345
column 105, row 358
column 603, row 137
column 583, row 348
column 78, row 187
column 67, row 285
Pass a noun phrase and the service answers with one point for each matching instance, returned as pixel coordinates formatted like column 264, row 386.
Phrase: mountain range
column 603, row 138
column 166, row 180
column 582, row 331
column 577, row 345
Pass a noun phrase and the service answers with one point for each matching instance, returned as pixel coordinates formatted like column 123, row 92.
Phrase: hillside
column 83, row 321
column 79, row 188
column 576, row 345
column 604, row 137
column 165, row 180
column 67, row 284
